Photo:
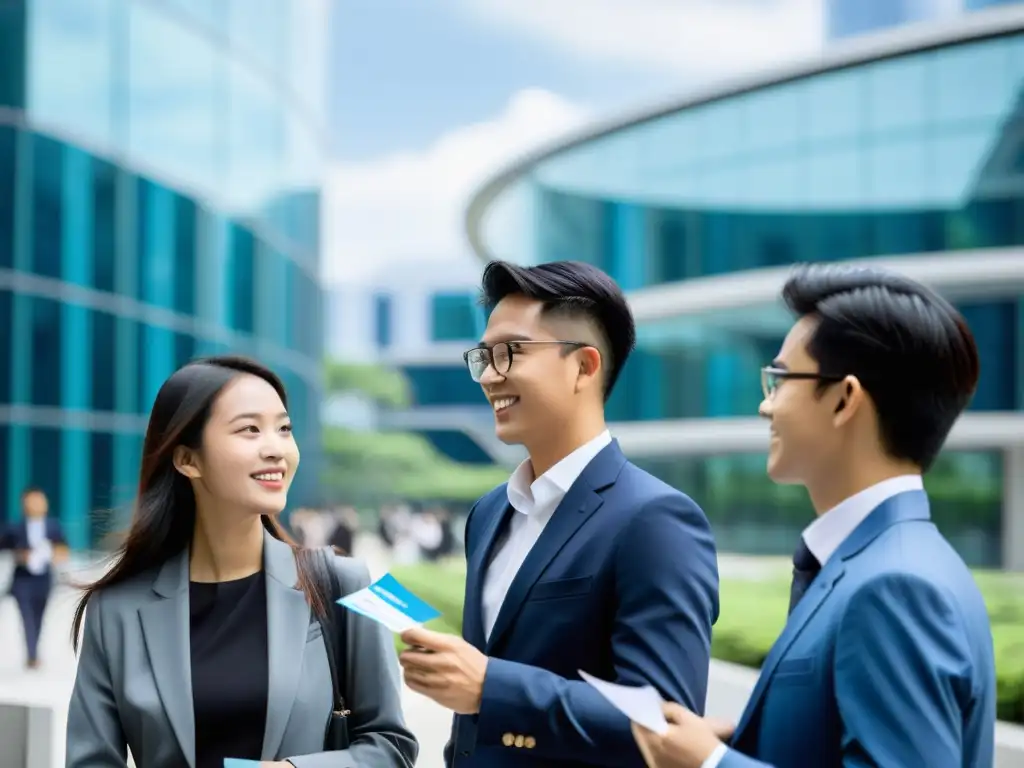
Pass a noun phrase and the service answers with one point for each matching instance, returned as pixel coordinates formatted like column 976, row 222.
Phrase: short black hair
column 911, row 350
column 31, row 489
column 571, row 289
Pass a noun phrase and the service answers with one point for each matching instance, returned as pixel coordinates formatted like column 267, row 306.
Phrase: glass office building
column 910, row 150
column 159, row 200
column 852, row 18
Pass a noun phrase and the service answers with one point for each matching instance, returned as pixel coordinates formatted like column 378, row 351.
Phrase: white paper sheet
column 642, row 705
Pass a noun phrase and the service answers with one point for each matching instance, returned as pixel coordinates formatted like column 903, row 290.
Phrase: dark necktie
column 805, row 568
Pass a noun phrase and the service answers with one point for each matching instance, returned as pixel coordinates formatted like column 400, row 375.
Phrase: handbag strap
column 332, row 625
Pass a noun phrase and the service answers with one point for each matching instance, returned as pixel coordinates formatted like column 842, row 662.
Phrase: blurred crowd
column 409, row 533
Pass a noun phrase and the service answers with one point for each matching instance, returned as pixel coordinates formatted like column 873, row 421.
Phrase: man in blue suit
column 886, row 658
column 38, row 542
column 581, row 561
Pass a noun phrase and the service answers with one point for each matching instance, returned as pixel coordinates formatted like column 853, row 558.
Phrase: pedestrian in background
column 38, row 543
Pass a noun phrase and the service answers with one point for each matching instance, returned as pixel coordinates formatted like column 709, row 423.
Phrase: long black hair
column 165, row 507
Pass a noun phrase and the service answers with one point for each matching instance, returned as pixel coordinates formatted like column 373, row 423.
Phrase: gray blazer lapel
column 165, row 627
column 288, row 616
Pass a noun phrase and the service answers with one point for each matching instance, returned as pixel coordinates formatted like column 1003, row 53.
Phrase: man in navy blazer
column 581, row 561
column 886, row 658
column 38, row 542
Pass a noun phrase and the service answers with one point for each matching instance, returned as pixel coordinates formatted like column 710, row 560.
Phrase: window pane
column 211, row 15
column 174, row 98
column 46, row 351
column 454, row 317
column 45, row 451
column 156, row 362
column 6, row 512
column 104, row 180
column 156, row 231
column 184, row 255
column 8, row 182
column 309, row 26
column 104, row 356
column 900, row 93
column 184, row 349
column 101, row 498
column 47, row 219
column 259, row 29
column 12, row 54
column 73, row 37
column 6, row 351
column 256, row 136
column 239, row 283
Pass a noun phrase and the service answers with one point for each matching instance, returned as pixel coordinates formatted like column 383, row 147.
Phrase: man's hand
column 689, row 741
column 444, row 668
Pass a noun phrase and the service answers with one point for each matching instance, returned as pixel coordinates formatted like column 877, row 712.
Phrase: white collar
column 828, row 531
column 527, row 494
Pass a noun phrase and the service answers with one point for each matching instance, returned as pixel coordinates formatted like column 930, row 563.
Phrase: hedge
column 754, row 612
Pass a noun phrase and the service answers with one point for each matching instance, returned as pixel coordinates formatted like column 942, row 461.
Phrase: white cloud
column 410, row 205
column 691, row 37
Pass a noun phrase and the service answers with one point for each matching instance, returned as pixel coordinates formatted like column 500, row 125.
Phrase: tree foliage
column 374, row 467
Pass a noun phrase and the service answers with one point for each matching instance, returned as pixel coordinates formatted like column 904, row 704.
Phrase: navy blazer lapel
column 903, row 507
column 495, row 516
column 581, row 501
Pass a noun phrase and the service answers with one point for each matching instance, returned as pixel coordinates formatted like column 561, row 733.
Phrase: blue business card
column 388, row 602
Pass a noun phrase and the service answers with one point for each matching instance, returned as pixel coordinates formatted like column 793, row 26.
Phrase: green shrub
column 753, row 614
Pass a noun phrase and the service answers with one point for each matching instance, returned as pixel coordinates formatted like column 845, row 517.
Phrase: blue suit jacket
column 623, row 584
column 16, row 538
column 886, row 661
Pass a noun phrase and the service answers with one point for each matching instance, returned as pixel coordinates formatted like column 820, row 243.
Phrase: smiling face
column 538, row 394
column 248, row 455
column 805, row 439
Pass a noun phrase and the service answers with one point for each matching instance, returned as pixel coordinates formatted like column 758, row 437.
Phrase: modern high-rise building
column 904, row 149
column 160, row 171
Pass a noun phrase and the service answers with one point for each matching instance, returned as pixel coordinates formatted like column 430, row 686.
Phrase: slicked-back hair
column 911, row 350
column 570, row 289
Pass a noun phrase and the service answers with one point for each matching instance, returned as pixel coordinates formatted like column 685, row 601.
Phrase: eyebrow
column 776, row 363
column 513, row 337
column 256, row 416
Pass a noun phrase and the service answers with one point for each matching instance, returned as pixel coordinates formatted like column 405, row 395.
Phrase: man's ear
column 851, row 398
column 591, row 368
column 185, row 461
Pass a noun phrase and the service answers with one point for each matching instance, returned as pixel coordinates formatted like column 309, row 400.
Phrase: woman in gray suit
column 205, row 640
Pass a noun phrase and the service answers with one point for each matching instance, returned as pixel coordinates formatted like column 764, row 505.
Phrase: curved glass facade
column 918, row 153
column 850, row 18
column 160, row 204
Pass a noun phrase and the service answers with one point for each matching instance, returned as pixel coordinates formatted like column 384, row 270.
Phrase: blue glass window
column 454, row 317
column 382, row 319
column 8, row 181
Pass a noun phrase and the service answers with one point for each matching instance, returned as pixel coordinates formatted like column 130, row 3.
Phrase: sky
column 430, row 98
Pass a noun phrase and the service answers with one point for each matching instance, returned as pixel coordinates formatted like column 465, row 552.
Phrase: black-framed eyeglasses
column 500, row 355
column 772, row 376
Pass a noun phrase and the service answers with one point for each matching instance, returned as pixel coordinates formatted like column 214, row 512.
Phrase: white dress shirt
column 534, row 502
column 40, row 550
column 828, row 531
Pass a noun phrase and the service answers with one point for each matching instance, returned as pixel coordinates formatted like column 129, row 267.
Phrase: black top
column 229, row 668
